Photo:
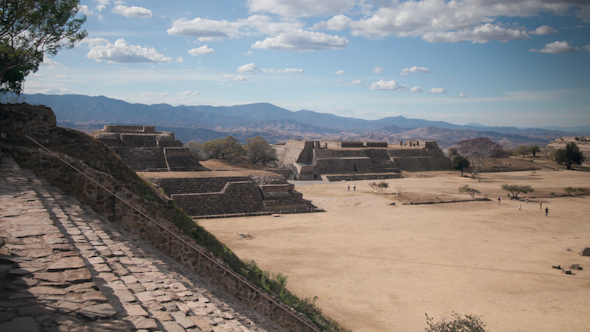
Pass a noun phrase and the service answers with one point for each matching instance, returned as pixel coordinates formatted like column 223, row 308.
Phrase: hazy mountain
column 275, row 124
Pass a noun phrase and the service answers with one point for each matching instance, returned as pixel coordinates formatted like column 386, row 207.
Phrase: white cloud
column 587, row 48
column 201, row 50
column 378, row 70
column 248, row 53
column 50, row 64
column 414, row 69
column 63, row 77
column 416, row 89
column 301, row 8
column 388, row 85
column 235, row 77
column 247, row 68
column 355, row 82
column 438, row 90
column 543, row 30
column 557, row 47
column 36, row 74
column 282, row 71
column 337, row 23
column 121, row 52
column 188, row 93
column 154, row 94
column 102, row 4
column 340, row 72
column 480, row 34
column 132, row 11
column 302, row 41
column 94, row 41
column 179, row 59
column 463, row 95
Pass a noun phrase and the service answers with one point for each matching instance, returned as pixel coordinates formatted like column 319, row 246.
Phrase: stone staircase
column 65, row 268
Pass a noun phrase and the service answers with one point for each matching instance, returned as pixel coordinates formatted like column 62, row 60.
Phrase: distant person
column 541, row 205
column 527, row 200
column 499, row 199
column 348, row 187
column 354, row 187
column 519, row 207
column 546, row 211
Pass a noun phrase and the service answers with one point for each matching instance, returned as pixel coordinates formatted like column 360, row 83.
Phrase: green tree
column 460, row 163
column 31, row 29
column 568, row 156
column 469, row 323
column 534, row 149
column 259, row 150
column 522, row 150
column 379, row 187
column 223, row 148
column 516, row 189
column 452, row 153
column 196, row 149
column 470, row 191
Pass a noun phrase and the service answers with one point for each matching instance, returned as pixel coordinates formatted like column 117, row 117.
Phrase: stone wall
column 18, row 120
column 180, row 247
column 172, row 186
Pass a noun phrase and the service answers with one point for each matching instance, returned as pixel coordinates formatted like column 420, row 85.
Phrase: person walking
column 498, row 200
column 527, row 200
column 354, row 187
column 348, row 187
column 541, row 205
column 519, row 207
column 546, row 211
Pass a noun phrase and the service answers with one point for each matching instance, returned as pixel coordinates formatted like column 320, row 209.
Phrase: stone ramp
column 64, row 268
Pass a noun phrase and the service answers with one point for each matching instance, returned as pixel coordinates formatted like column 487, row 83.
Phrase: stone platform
column 65, row 268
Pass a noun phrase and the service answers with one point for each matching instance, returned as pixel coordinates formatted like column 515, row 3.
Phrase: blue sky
column 494, row 62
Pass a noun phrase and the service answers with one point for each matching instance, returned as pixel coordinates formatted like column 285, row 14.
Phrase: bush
column 516, row 189
column 469, row 323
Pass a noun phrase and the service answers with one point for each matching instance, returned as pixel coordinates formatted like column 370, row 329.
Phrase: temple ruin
column 145, row 149
column 356, row 160
column 582, row 142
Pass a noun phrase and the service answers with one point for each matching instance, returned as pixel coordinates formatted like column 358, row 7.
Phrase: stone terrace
column 65, row 268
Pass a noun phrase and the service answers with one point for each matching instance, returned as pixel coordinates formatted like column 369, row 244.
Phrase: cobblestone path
column 64, row 268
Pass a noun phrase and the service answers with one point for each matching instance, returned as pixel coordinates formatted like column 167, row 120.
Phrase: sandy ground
column 377, row 267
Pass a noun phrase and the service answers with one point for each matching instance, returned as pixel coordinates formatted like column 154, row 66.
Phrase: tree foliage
column 223, row 148
column 534, row 149
column 478, row 150
column 460, row 163
column 469, row 323
column 470, row 191
column 259, row 150
column 379, row 187
column 31, row 29
column 523, row 150
column 515, row 189
column 569, row 156
column 196, row 150
column 453, row 153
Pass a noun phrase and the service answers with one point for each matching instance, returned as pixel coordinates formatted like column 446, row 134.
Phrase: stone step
column 67, row 267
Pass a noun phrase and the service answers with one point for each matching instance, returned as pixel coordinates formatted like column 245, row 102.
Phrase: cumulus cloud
column 355, row 82
column 557, row 47
column 480, row 35
column 438, row 90
column 451, row 21
column 235, row 77
column 154, row 94
column 301, row 8
column 378, row 70
column 463, row 95
column 414, row 69
column 416, row 89
column 94, row 41
column 102, row 4
column 132, row 11
column 247, row 68
column 50, row 64
column 543, row 30
column 63, row 77
column 121, row 52
column 201, row 51
column 188, row 93
column 388, row 85
column 340, row 72
column 179, row 59
column 302, row 41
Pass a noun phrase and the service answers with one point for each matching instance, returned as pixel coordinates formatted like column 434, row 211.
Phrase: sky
column 523, row 63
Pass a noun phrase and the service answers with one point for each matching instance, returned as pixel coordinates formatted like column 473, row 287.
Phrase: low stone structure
column 206, row 194
column 340, row 160
column 582, row 142
column 145, row 149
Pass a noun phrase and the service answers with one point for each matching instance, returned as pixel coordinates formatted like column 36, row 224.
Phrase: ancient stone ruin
column 356, row 160
column 582, row 142
column 145, row 149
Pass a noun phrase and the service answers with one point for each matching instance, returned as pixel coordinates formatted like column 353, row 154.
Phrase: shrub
column 469, row 323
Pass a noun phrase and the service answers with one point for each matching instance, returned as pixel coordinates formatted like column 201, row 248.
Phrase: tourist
column 354, row 187
column 348, row 187
column 546, row 211
column 527, row 200
column 541, row 205
column 499, row 200
column 519, row 207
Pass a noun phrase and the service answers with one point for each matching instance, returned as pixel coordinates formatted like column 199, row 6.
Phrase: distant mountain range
column 275, row 124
